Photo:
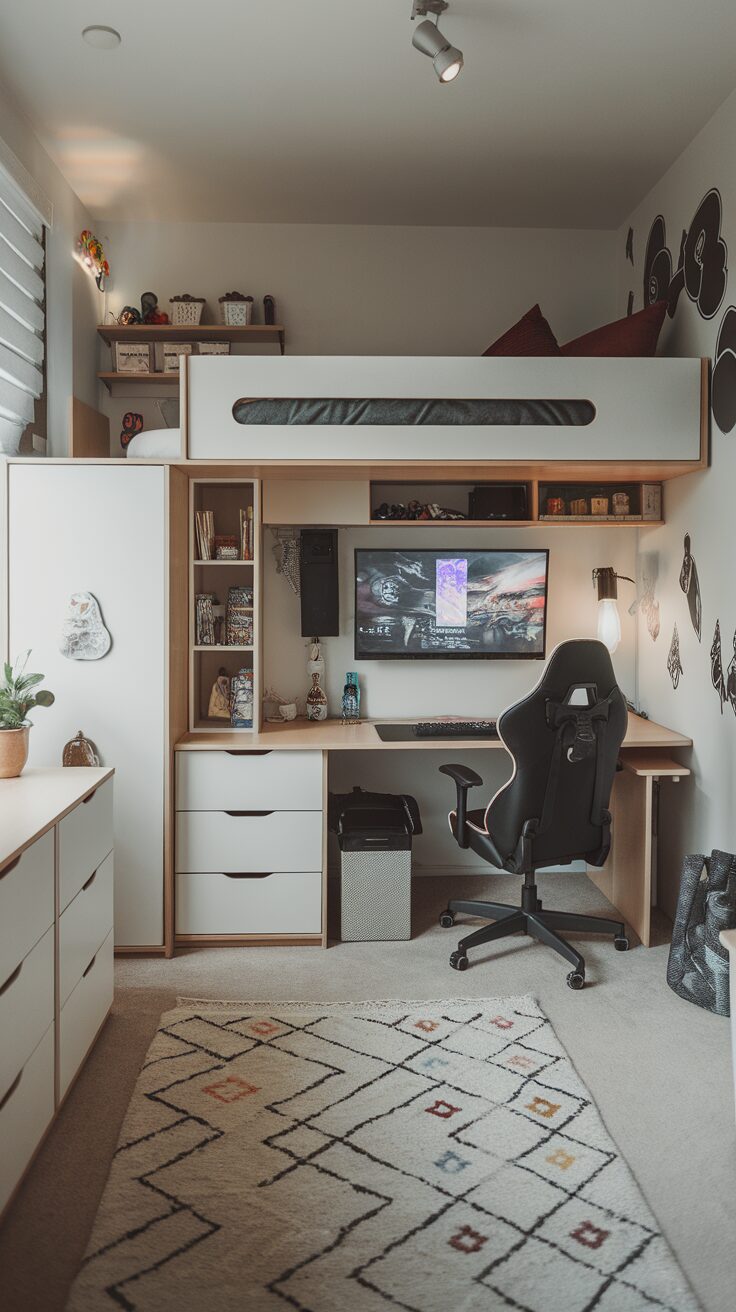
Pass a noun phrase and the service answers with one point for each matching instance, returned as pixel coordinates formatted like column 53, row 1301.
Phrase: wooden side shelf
column 252, row 335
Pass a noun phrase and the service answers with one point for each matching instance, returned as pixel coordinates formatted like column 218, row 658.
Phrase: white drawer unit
column 85, row 839
column 26, row 1007
column 249, row 781
column 26, row 1110
column 230, row 842
column 83, row 1013
column 269, row 904
column 84, row 926
column 26, row 901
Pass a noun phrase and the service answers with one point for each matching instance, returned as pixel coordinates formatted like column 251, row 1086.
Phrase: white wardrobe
column 101, row 528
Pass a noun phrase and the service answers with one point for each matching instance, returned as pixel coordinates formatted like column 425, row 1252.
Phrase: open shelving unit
column 255, row 334
column 225, row 497
column 455, row 496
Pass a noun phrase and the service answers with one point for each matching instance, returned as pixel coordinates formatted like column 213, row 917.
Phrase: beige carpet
column 658, row 1069
column 434, row 1155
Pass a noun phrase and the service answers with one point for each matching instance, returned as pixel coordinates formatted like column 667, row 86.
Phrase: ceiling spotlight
column 446, row 58
column 101, row 38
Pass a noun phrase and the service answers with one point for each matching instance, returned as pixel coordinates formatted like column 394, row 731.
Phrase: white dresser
column 250, row 845
column 56, row 946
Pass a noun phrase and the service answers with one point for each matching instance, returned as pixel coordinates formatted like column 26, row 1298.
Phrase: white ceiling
column 320, row 111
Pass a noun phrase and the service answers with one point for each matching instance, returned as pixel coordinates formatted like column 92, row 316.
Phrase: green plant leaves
column 16, row 698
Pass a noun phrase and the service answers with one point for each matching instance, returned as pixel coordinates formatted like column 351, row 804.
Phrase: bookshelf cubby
column 225, row 499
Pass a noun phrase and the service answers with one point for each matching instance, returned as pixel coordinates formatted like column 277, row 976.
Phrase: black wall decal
column 723, row 383
column 716, row 666
column 691, row 587
column 630, row 304
column 731, row 677
column 674, row 664
column 630, row 245
column 702, row 263
column 649, row 603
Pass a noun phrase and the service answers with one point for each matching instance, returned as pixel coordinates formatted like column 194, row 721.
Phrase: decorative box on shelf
column 132, row 357
column 236, row 310
column 186, row 310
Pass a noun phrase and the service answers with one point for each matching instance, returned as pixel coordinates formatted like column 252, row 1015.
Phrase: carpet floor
column 658, row 1069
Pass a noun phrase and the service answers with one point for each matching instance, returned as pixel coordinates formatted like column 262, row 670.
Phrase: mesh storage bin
column 697, row 969
column 186, row 310
column 374, row 833
column 236, row 310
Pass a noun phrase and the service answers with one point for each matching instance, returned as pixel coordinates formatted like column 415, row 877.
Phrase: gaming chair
column 564, row 738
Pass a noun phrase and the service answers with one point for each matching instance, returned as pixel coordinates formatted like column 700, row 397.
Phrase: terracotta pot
column 13, row 752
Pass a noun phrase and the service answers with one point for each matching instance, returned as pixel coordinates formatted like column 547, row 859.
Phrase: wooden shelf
column 213, row 646
column 109, row 378
column 558, row 521
column 203, row 332
column 224, row 562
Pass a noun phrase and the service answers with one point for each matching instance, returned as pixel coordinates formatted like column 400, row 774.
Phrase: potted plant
column 19, row 694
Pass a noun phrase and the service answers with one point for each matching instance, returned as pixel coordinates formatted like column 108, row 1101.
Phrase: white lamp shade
column 609, row 623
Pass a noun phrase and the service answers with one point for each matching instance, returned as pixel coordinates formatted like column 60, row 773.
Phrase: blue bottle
column 351, row 699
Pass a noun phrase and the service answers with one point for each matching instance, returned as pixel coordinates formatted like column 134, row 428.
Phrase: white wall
column 700, row 814
column 359, row 290
column 73, row 302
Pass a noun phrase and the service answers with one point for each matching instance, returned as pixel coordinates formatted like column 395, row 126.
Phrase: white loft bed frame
column 646, row 410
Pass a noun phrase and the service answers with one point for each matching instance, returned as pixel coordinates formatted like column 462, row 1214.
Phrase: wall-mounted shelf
column 109, row 378
column 253, row 334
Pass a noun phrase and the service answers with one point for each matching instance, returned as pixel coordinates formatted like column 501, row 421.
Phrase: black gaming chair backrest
column 565, row 759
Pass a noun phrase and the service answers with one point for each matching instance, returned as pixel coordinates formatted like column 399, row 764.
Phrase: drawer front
column 26, row 1007
column 26, row 902
column 273, row 904
column 243, row 844
column 83, row 1013
column 84, row 926
column 85, row 838
column 248, row 781
column 26, row 1109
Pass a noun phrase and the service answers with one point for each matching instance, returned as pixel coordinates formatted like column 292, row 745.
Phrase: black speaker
column 319, row 588
column 498, row 501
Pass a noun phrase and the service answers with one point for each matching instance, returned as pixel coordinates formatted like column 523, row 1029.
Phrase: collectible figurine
column 132, row 425
column 129, row 316
column 150, row 312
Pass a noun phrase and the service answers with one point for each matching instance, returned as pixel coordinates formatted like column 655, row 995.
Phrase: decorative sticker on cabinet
column 731, row 678
column 723, row 383
column 716, row 666
column 649, row 571
column 674, row 664
column 691, row 586
column 84, row 636
column 702, row 268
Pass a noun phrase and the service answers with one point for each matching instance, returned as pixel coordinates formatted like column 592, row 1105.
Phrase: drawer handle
column 10, row 866
column 11, row 979
column 253, row 813
column 90, row 881
column 91, row 964
column 244, row 751
column 85, row 800
column 248, row 874
column 12, row 1089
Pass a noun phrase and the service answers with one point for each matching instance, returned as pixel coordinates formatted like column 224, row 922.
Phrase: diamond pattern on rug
column 413, row 1156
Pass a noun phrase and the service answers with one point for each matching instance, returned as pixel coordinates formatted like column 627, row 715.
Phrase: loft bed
column 386, row 411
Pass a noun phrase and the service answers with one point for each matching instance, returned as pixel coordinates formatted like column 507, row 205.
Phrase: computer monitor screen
column 450, row 604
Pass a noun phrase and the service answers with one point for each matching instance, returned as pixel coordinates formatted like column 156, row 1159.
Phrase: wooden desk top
column 38, row 798
column 332, row 735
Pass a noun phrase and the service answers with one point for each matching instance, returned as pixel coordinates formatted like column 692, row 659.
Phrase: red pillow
column 637, row 334
column 532, row 335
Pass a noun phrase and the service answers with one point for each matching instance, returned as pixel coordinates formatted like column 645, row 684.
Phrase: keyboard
column 455, row 729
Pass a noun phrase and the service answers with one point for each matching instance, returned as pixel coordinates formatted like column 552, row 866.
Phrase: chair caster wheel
column 576, row 979
column 459, row 961
column 447, row 919
column 621, row 943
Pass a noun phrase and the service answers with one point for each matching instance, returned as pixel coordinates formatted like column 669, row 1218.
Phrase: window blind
column 21, row 312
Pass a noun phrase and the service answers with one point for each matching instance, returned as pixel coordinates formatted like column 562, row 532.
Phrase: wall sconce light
column 609, row 620
column 447, row 60
column 92, row 257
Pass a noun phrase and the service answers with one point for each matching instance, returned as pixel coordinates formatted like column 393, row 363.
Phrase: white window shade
column 21, row 312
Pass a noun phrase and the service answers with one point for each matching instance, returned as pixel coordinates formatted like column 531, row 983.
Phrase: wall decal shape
column 731, row 677
column 723, row 383
column 674, row 664
column 630, row 305
column 702, row 263
column 691, row 586
column 83, row 634
column 649, row 604
column 716, row 666
column 630, row 245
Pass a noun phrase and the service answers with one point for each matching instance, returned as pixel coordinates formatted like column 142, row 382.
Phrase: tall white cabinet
column 101, row 528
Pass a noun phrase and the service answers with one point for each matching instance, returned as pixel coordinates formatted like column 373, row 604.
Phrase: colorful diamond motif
column 468, row 1240
column 231, row 1089
column 451, row 1163
column 442, row 1109
column 263, row 1028
column 591, row 1236
column 426, row 1025
column 502, row 1022
column 561, row 1158
column 543, row 1107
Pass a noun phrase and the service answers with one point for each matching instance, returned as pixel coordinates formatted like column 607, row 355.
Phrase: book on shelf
column 239, row 618
column 246, row 533
column 205, row 620
column 204, row 524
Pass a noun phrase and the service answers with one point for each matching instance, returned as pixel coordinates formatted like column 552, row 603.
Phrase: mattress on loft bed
column 397, row 411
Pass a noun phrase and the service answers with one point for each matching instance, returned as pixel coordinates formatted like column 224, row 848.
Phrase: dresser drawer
column 248, row 781
column 271, row 904
column 26, row 1007
column 242, row 844
column 84, row 926
column 83, row 1013
column 85, row 838
column 26, row 1109
column 26, row 902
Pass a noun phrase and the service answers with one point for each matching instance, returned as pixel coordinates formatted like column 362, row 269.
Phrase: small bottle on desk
column 351, row 699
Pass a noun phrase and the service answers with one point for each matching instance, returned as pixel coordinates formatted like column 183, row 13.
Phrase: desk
column 628, row 879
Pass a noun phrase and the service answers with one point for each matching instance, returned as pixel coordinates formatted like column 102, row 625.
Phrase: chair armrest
column 465, row 778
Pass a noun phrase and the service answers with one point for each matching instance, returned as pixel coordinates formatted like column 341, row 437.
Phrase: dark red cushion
column 532, row 335
column 637, row 334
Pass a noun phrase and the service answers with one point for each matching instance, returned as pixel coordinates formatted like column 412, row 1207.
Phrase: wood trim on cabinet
column 249, row 940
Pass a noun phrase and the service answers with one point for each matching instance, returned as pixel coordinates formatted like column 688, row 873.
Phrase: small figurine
column 80, row 751
column 129, row 316
column 219, row 705
column 132, row 425
column 316, row 700
column 150, row 312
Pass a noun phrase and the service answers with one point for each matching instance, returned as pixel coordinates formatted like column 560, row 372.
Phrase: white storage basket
column 186, row 311
column 236, row 313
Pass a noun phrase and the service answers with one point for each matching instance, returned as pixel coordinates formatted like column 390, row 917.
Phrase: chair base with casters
column 564, row 740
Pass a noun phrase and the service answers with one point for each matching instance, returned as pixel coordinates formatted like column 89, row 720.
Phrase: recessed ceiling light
column 101, row 38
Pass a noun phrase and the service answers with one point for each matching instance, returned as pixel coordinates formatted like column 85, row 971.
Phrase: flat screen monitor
column 472, row 605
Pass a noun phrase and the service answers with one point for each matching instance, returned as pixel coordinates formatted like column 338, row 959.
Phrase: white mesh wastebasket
column 376, row 895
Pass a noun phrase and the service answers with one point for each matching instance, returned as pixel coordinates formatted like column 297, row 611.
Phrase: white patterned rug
column 429, row 1156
